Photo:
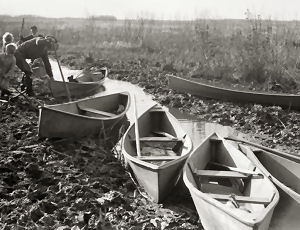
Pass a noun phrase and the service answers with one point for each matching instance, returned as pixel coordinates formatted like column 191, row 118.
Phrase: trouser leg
column 26, row 80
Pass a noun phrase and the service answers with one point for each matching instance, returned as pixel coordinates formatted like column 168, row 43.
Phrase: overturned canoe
column 84, row 85
column 83, row 117
column 285, row 174
column 208, row 91
column 228, row 190
column 164, row 148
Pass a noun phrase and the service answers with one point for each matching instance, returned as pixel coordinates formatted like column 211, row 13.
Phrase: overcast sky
column 159, row 9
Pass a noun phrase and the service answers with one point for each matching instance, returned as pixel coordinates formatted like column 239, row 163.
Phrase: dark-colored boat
column 208, row 91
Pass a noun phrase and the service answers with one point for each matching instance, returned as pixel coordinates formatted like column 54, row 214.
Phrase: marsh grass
column 255, row 52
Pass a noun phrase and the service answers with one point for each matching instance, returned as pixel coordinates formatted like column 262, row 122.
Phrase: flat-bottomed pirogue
column 164, row 148
column 228, row 190
column 209, row 91
column 83, row 117
column 84, row 85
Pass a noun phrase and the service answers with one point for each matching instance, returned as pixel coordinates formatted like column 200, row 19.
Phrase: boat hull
column 285, row 174
column 208, row 91
column 156, row 180
column 77, row 89
column 217, row 215
column 64, row 120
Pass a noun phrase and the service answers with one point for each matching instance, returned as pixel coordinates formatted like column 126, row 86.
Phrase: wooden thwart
column 158, row 158
column 241, row 199
column 215, row 140
column 163, row 134
column 158, row 139
column 244, row 171
column 95, row 111
column 220, row 174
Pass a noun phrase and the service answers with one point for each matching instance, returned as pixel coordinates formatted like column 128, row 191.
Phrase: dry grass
column 255, row 52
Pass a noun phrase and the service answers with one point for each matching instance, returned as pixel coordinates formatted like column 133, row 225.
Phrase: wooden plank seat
column 220, row 174
column 158, row 158
column 158, row 139
column 218, row 166
column 96, row 111
column 241, row 199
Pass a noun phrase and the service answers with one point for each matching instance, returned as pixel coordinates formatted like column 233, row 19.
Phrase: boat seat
column 158, row 158
column 220, row 174
column 215, row 140
column 218, row 166
column 95, row 111
column 241, row 199
column 158, row 139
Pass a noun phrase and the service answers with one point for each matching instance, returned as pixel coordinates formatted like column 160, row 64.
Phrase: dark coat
column 33, row 49
column 29, row 37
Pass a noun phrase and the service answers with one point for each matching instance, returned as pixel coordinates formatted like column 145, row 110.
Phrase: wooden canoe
column 228, row 190
column 208, row 91
column 83, row 117
column 159, row 168
column 85, row 85
column 285, row 174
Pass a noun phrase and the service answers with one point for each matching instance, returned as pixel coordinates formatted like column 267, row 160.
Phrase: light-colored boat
column 83, row 117
column 84, row 85
column 165, row 147
column 285, row 174
column 208, row 91
column 228, row 190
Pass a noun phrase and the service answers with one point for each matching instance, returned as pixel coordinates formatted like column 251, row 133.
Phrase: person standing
column 7, row 64
column 32, row 49
column 6, row 39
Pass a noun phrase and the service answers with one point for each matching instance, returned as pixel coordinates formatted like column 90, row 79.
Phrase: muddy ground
column 79, row 184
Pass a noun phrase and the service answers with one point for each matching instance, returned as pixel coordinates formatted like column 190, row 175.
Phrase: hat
column 33, row 27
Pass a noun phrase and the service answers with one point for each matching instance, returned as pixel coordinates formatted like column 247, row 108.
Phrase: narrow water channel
column 194, row 127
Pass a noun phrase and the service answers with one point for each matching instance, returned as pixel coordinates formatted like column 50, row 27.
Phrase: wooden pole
column 291, row 157
column 22, row 27
column 62, row 76
column 136, row 126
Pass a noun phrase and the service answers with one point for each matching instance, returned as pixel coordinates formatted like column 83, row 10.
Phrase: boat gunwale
column 205, row 197
column 277, row 182
column 148, row 165
column 284, row 95
column 49, row 107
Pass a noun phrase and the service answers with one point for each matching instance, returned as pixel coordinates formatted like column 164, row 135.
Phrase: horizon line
column 140, row 17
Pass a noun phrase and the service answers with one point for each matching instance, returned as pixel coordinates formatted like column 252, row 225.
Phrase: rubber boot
column 28, row 83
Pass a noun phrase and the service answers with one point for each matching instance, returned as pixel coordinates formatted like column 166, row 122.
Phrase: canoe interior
column 164, row 149
column 284, row 170
column 90, row 77
column 285, row 174
column 151, row 125
column 212, row 152
column 114, row 104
